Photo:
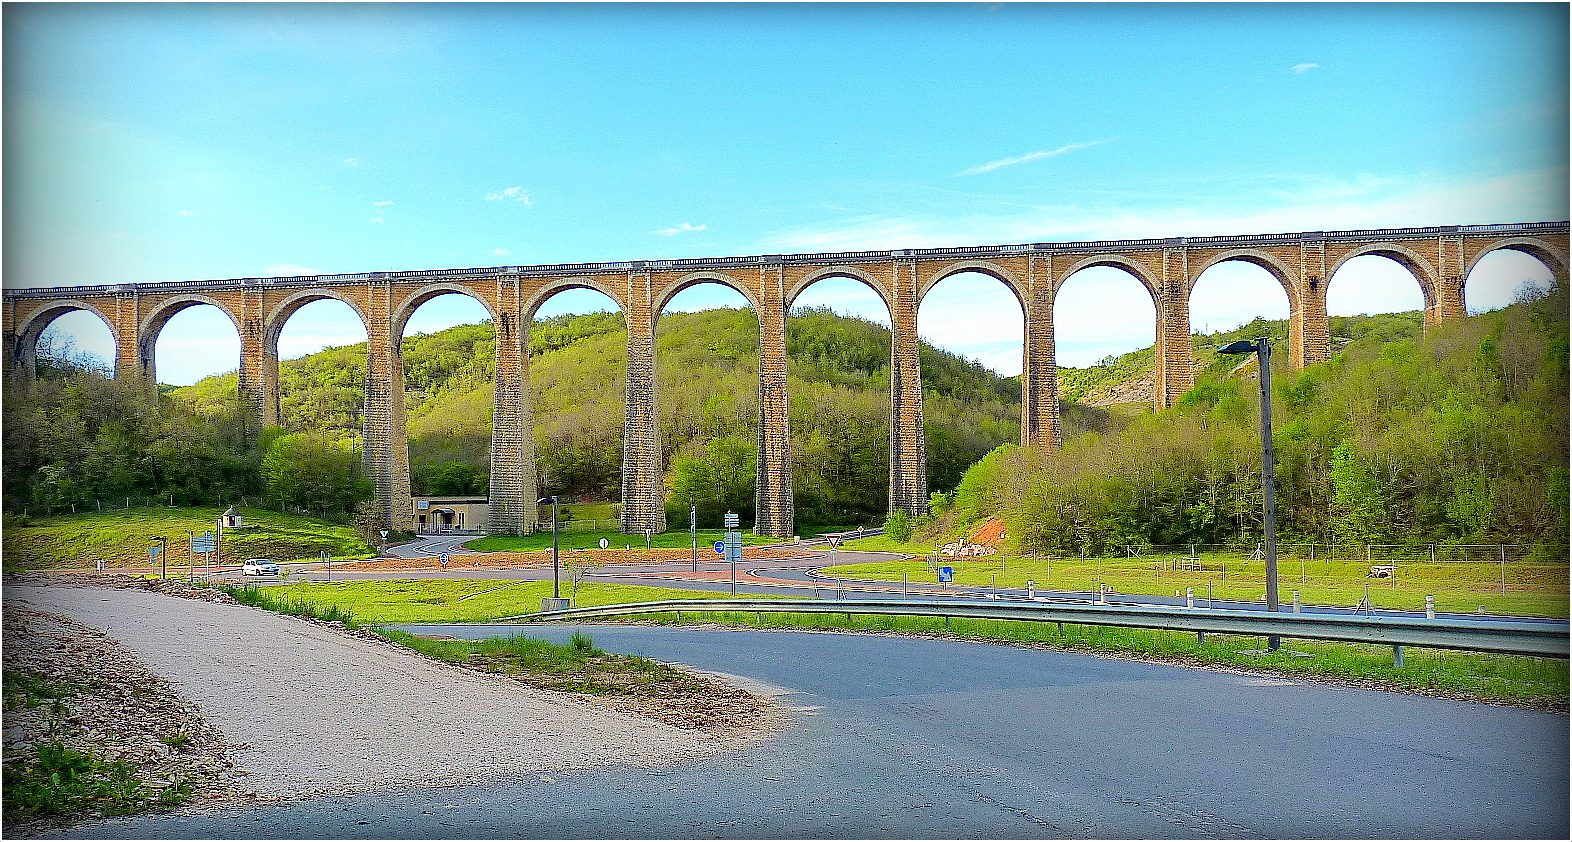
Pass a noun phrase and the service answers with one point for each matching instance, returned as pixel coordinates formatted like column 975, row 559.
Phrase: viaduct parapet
column 1439, row 258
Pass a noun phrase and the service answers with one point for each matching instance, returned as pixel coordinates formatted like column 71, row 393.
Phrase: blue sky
column 165, row 142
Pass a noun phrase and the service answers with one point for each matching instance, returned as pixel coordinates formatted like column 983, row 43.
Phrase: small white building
column 441, row 515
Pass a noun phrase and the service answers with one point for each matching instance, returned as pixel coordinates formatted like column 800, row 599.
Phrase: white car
column 258, row 567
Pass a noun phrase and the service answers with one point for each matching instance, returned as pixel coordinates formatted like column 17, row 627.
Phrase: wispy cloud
column 1272, row 205
column 184, row 213
column 517, row 194
column 1304, row 68
column 352, row 162
column 1030, row 156
column 501, row 252
column 680, row 229
column 377, row 220
column 385, row 203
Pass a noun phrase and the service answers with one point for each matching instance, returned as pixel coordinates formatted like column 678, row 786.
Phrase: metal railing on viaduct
column 1438, row 257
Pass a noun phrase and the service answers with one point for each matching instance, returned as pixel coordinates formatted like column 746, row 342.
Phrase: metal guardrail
column 1505, row 637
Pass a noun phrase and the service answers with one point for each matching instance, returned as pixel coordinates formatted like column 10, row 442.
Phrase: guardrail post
column 1031, row 589
column 1189, row 597
column 1430, row 608
column 1296, row 602
column 1397, row 656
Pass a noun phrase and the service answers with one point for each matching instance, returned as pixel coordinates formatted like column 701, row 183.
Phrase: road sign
column 720, row 547
column 835, row 541
column 604, row 543
column 152, row 552
column 444, row 559
column 946, row 574
column 733, row 520
column 204, row 543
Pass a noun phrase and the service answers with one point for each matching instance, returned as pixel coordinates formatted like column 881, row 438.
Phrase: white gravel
column 323, row 712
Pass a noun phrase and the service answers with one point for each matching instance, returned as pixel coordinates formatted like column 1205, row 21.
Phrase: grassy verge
column 1533, row 588
column 457, row 600
column 672, row 539
column 122, row 538
column 1535, row 682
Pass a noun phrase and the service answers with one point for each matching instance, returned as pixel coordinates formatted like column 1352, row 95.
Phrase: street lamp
column 1263, row 354
column 556, row 566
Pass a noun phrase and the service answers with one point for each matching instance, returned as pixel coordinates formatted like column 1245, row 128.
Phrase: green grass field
column 463, row 600
column 1540, row 682
column 1533, row 588
column 670, row 539
column 122, row 538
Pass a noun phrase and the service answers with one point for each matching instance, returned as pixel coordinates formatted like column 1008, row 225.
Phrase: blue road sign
column 720, row 547
column 946, row 574
column 444, row 559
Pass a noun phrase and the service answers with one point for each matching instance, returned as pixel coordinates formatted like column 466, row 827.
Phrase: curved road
column 905, row 738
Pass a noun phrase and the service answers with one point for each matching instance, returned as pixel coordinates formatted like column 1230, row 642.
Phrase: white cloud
column 184, row 213
column 1304, row 68
column 377, row 220
column 352, row 162
column 684, row 227
column 501, row 252
column 1030, row 156
column 385, row 203
column 517, row 194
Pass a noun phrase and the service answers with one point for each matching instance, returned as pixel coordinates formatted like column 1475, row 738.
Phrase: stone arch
column 980, row 267
column 848, row 272
column 1422, row 270
column 670, row 291
column 531, row 305
column 406, row 309
column 25, row 352
column 284, row 309
column 1275, row 267
column 1142, row 273
column 1553, row 259
column 153, row 325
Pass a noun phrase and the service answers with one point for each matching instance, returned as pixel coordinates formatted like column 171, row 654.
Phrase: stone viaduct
column 1438, row 257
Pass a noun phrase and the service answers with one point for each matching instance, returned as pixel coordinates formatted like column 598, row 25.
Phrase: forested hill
column 1455, row 436
column 707, row 375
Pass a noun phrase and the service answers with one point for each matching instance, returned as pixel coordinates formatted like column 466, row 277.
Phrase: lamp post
column 556, row 566
column 1263, row 354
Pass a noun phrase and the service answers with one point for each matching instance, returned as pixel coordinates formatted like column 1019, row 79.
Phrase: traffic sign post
column 733, row 545
column 946, row 575
column 444, row 560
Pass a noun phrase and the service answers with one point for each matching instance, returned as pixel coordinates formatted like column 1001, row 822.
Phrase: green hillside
column 707, row 375
column 1458, row 436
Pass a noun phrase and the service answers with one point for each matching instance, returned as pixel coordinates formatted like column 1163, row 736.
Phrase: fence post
column 1503, row 569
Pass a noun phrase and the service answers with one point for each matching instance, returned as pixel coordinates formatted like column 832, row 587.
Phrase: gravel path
column 324, row 712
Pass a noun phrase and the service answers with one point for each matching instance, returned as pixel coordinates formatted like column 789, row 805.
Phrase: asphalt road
column 905, row 738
